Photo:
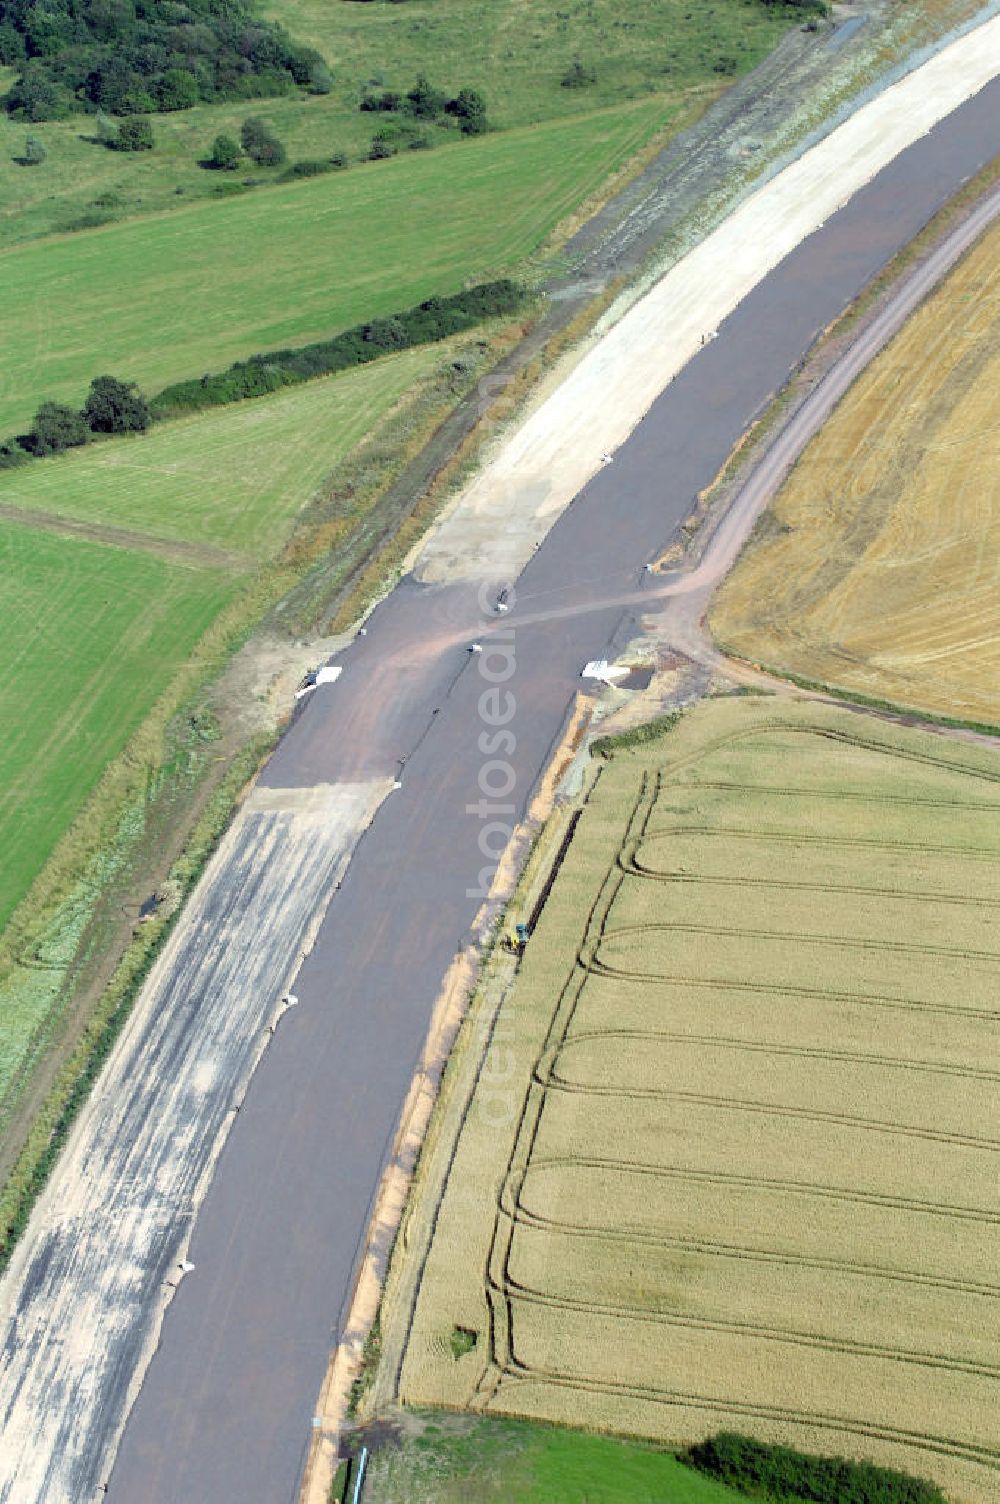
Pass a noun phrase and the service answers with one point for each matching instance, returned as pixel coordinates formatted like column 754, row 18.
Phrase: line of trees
column 118, row 407
column 434, row 319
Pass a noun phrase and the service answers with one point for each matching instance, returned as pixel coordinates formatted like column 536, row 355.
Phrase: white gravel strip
column 499, row 520
column 83, row 1298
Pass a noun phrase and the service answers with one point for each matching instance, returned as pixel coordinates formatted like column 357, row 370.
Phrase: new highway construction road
column 435, row 750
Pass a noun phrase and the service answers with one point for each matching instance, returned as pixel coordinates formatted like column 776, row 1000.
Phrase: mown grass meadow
column 98, row 628
column 449, row 1459
column 516, row 57
column 159, row 299
column 230, row 478
column 90, row 635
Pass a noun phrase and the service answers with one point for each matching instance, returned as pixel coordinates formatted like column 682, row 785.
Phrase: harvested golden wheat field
column 726, row 1155
column 875, row 568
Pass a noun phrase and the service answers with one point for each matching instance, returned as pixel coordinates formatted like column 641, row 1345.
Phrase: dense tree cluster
column 260, row 143
column 137, row 57
column 426, row 103
column 112, row 406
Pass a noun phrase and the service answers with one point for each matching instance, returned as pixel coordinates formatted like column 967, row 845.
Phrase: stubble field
column 730, row 1159
column 874, row 569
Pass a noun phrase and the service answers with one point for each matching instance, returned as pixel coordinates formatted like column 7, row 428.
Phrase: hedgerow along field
column 724, row 1158
column 874, row 568
column 651, row 47
column 230, row 479
column 169, row 297
column 96, row 630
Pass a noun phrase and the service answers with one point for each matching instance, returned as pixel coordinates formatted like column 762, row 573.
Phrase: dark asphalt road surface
column 223, row 1416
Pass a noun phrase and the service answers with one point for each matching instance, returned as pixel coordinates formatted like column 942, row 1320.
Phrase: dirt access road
column 223, row 1412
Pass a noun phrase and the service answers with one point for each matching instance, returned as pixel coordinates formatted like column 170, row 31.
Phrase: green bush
column 56, row 427
column 577, row 76
column 780, row 1473
column 13, row 454
column 225, row 155
column 177, row 90
column 309, row 167
column 260, row 143
column 389, row 99
column 469, row 109
column 462, row 1340
column 114, row 406
column 134, row 135
column 424, row 101
column 434, row 319
column 34, row 152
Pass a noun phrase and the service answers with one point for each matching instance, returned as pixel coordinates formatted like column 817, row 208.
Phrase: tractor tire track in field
column 989, row 1216
column 513, row 1291
column 176, row 550
column 509, row 1298
column 764, row 1047
column 820, row 794
column 780, row 885
column 788, row 838
column 778, row 989
column 553, row 1082
column 744, row 932
column 810, row 1419
column 745, row 1253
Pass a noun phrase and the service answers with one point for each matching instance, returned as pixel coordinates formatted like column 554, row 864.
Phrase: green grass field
column 94, row 629
column 455, row 1460
column 648, row 47
column 229, row 478
column 89, row 636
column 167, row 297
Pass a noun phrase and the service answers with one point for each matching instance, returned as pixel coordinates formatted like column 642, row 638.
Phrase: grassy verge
column 447, row 1458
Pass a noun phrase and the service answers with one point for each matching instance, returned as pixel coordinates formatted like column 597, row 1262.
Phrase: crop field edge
column 759, row 645
column 419, row 1225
